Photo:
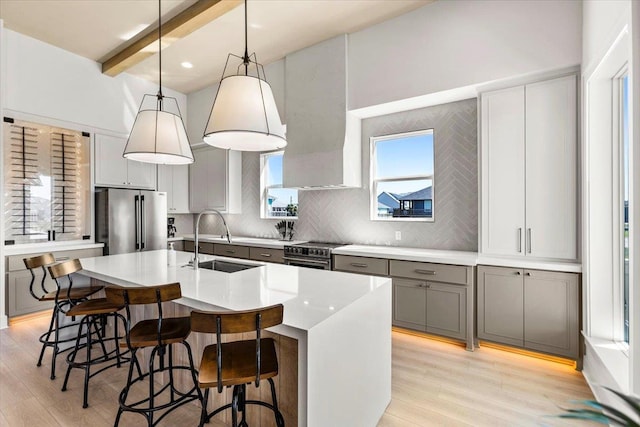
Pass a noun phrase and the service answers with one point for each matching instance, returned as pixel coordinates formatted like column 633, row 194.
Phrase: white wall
column 47, row 81
column 453, row 44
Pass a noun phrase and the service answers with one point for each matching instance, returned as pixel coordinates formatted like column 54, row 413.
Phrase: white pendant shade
column 158, row 137
column 244, row 116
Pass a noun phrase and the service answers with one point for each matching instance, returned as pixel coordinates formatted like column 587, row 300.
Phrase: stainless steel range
column 310, row 254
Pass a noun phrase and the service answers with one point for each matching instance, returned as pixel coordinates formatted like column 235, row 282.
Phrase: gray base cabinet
column 532, row 309
column 433, row 298
column 435, row 308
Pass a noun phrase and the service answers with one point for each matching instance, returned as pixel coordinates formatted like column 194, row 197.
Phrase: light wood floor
column 434, row 384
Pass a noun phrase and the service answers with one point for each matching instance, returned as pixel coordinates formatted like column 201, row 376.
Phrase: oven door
column 318, row 264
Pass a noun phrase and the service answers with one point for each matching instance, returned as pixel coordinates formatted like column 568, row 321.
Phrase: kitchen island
column 341, row 323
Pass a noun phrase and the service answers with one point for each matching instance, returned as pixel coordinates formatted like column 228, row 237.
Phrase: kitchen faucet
column 197, row 227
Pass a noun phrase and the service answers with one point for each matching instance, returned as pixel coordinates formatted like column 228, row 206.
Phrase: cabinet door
column 217, row 179
column 180, row 189
column 551, row 168
column 141, row 175
column 19, row 300
column 410, row 304
column 446, row 310
column 503, row 174
column 551, row 322
column 199, row 181
column 111, row 167
column 501, row 305
column 165, row 179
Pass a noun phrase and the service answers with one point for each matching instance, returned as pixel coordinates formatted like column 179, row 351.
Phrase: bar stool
column 62, row 299
column 91, row 329
column 160, row 334
column 238, row 363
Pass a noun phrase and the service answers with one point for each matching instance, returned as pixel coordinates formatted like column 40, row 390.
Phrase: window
column 402, row 177
column 275, row 201
column 624, row 140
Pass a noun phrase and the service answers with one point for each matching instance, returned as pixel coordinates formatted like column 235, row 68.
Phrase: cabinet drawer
column 15, row 262
column 203, row 247
column 363, row 265
column 267, row 254
column 231, row 251
column 433, row 272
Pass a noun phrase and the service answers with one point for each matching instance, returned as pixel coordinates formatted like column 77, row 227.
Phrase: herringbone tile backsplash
column 343, row 215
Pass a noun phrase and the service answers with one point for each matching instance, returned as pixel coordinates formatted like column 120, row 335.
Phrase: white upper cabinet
column 528, row 176
column 174, row 180
column 113, row 170
column 215, row 180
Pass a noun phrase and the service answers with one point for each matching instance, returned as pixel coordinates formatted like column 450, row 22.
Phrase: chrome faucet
column 196, row 228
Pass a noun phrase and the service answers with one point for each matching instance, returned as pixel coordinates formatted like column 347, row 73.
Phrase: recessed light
column 186, row 64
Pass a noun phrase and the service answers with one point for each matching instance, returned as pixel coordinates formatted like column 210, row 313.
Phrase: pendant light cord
column 246, row 42
column 160, row 54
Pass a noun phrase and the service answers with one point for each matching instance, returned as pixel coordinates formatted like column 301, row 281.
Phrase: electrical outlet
column 398, row 235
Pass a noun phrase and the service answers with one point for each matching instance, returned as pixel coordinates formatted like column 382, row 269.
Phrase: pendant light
column 244, row 116
column 158, row 135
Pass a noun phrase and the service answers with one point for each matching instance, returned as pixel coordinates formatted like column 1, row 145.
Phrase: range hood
column 324, row 139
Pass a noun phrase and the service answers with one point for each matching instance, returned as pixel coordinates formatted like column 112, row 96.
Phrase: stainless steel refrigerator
column 131, row 220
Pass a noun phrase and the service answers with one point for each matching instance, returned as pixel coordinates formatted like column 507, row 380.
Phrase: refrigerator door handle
column 143, row 234
column 137, row 216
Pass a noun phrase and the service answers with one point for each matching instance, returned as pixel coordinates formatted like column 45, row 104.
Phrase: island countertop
column 309, row 296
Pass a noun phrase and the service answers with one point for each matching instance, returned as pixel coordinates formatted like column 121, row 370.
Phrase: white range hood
column 324, row 139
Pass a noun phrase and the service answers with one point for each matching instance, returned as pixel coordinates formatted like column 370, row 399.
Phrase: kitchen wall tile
column 343, row 215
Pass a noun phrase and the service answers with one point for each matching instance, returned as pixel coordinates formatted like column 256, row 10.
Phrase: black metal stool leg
column 46, row 340
column 203, row 416
column 234, row 406
column 73, row 354
column 56, row 335
column 278, row 414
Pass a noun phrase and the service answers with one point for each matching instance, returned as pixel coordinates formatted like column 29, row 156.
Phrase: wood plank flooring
column 434, row 384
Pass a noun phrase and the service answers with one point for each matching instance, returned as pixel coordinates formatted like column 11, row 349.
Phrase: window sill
column 404, row 219
column 613, row 357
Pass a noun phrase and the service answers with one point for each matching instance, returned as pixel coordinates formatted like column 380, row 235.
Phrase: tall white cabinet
column 216, row 180
column 174, row 180
column 528, row 177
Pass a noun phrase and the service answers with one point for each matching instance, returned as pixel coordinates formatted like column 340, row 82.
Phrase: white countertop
column 410, row 254
column 42, row 247
column 309, row 296
column 568, row 267
column 244, row 241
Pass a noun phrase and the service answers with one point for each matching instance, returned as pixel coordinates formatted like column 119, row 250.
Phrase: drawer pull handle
column 266, row 255
column 429, row 272
column 359, row 265
column 428, row 286
column 420, row 285
column 517, row 273
column 62, row 258
column 529, row 274
column 230, row 251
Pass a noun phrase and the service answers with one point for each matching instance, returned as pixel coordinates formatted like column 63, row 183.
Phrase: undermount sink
column 225, row 266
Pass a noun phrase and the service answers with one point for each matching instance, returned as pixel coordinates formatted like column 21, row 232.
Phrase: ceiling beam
column 195, row 16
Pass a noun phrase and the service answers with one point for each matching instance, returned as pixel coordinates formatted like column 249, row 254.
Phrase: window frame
column 264, row 188
column 373, row 182
column 618, row 223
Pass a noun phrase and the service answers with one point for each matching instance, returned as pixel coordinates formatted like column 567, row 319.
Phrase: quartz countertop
column 309, row 296
column 410, row 254
column 244, row 241
column 42, row 247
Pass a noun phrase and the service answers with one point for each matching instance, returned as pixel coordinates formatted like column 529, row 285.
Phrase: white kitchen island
column 341, row 321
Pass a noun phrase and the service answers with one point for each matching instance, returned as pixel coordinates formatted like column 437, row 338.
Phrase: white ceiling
column 95, row 28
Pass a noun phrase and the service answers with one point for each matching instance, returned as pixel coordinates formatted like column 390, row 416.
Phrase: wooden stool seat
column 62, row 302
column 161, row 335
column 94, row 307
column 74, row 294
column 238, row 363
column 173, row 330
column 91, row 330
